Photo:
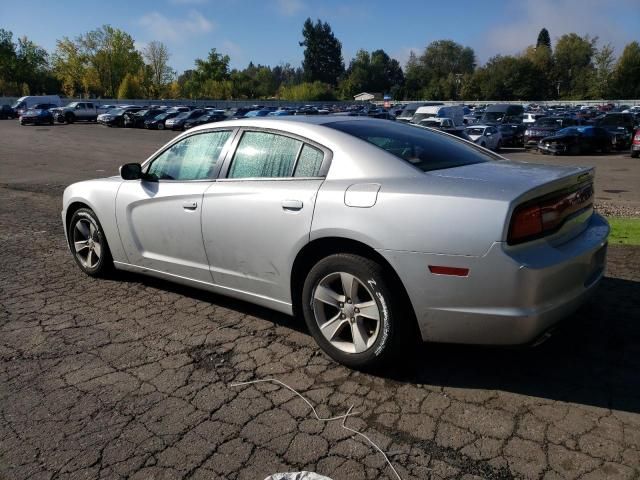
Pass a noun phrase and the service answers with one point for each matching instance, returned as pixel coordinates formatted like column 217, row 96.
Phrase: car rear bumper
column 512, row 295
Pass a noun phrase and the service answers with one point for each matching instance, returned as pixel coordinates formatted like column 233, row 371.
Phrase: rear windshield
column 424, row 149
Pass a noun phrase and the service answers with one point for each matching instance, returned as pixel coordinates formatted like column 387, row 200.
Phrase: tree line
column 106, row 63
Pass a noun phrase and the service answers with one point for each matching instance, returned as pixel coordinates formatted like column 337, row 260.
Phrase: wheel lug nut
column 343, row 316
column 348, row 300
column 341, row 304
column 357, row 310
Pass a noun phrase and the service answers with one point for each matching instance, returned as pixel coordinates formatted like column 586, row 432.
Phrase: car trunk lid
column 523, row 183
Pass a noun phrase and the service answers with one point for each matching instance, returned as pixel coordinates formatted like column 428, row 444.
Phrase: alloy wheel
column 346, row 312
column 86, row 242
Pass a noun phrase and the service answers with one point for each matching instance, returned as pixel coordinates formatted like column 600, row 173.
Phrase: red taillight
column 525, row 223
column 636, row 139
column 547, row 214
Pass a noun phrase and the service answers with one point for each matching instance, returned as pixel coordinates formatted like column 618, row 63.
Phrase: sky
column 268, row 31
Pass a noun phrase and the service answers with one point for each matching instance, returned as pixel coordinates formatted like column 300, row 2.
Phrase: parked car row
column 533, row 126
column 548, row 129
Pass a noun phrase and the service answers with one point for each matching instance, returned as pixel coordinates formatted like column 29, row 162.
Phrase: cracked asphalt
column 130, row 377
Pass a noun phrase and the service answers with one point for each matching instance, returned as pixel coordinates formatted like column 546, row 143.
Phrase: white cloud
column 289, row 7
column 592, row 17
column 231, row 48
column 175, row 29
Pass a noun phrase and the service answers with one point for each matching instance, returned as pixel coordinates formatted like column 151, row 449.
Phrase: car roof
column 283, row 121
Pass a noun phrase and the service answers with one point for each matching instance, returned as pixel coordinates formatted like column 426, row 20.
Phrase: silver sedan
column 377, row 233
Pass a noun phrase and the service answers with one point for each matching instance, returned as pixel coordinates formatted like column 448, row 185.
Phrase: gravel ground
column 130, row 377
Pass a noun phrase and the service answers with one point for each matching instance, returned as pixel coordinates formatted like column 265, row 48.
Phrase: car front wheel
column 352, row 313
column 89, row 244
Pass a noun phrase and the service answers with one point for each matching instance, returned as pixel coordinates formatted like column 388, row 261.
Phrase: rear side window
column 423, row 148
column 193, row 158
column 262, row 154
column 309, row 162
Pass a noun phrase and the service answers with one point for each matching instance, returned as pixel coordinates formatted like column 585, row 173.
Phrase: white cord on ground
column 343, row 417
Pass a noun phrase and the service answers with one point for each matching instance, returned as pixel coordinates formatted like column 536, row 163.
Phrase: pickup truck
column 76, row 111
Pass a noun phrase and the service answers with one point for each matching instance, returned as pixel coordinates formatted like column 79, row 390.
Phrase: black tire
column 574, row 150
column 51, row 122
column 634, row 154
column 70, row 118
column 104, row 266
column 499, row 146
column 160, row 126
column 393, row 325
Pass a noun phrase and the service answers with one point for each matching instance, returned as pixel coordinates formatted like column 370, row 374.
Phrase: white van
column 25, row 103
column 454, row 112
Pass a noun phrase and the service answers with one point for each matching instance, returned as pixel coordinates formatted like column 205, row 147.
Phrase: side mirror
column 131, row 171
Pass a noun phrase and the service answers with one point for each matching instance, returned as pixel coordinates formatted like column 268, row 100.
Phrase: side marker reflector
column 455, row 271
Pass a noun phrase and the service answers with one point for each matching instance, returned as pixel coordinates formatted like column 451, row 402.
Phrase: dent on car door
column 258, row 217
column 159, row 218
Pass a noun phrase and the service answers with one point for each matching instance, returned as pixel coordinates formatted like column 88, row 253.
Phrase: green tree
column 8, row 84
column 112, row 54
column 322, row 53
column 130, row 87
column 603, row 62
column 307, row 91
column 443, row 63
column 542, row 59
column 573, row 57
column 70, row 67
column 544, row 40
column 156, row 56
column 215, row 68
column 508, row 78
column 626, row 77
column 414, row 77
column 32, row 65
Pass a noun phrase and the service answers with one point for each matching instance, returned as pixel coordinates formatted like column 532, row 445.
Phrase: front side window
column 264, row 155
column 193, row 158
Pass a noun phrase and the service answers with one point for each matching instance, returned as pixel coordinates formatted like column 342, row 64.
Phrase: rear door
column 159, row 218
column 257, row 216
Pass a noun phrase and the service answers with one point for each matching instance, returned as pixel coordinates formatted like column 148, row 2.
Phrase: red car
column 635, row 144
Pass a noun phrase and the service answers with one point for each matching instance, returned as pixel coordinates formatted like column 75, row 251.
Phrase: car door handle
column 292, row 205
column 189, row 205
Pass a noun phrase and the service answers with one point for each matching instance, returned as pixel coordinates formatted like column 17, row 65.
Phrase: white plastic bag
column 296, row 476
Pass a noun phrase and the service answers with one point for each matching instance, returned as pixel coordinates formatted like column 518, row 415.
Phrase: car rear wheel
column 351, row 311
column 160, row 126
column 634, row 154
column 89, row 244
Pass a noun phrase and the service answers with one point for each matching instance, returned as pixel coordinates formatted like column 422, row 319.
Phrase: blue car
column 36, row 116
column 280, row 113
column 257, row 113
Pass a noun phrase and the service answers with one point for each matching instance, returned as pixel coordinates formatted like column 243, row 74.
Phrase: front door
column 159, row 217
